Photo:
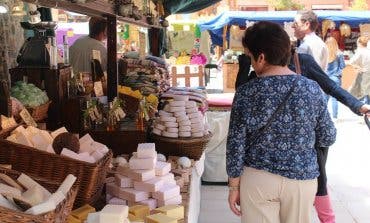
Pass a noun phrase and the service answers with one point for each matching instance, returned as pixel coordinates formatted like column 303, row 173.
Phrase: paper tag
column 98, row 89
column 27, row 118
column 96, row 55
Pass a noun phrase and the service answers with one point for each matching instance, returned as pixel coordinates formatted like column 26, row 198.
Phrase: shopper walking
column 276, row 120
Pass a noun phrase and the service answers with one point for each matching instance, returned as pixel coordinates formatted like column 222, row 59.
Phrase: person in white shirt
column 305, row 24
column 361, row 61
column 81, row 52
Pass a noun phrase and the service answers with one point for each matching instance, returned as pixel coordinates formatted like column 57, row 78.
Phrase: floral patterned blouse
column 287, row 147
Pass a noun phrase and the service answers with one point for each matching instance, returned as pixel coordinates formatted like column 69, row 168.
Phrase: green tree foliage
column 281, row 5
column 359, row 5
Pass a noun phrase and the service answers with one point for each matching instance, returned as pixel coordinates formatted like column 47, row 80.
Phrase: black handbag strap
column 259, row 131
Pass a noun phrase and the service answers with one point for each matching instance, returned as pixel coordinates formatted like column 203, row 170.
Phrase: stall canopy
column 186, row 6
column 215, row 26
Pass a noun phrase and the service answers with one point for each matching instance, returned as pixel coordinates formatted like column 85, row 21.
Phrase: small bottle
column 53, row 53
column 65, row 50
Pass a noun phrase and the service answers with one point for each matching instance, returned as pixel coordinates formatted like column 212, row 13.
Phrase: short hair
column 311, row 17
column 363, row 40
column 270, row 39
column 97, row 26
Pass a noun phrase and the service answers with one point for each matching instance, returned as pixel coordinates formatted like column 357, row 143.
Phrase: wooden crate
column 175, row 75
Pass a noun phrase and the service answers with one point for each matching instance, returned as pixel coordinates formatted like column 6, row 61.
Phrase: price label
column 27, row 118
column 98, row 89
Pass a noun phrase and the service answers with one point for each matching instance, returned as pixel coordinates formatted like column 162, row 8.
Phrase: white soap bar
column 69, row 153
column 172, row 130
column 180, row 98
column 86, row 157
column 114, row 213
column 93, row 218
column 146, row 150
column 168, row 119
column 164, row 113
column 191, row 110
column 58, row 131
column 42, row 208
column 67, row 184
column 185, row 123
column 47, row 136
column 166, row 192
column 12, row 138
column 39, row 142
column 152, row 185
column 100, row 147
column 22, row 138
column 157, row 131
column 141, row 175
column 50, row 149
column 7, row 204
column 197, row 134
column 162, row 168
column 19, row 129
column 32, row 130
column 168, row 177
column 185, row 128
column 182, row 118
column 171, row 124
column 123, row 181
column 177, row 103
column 177, row 109
column 178, row 114
column 172, row 201
column 86, row 139
column 170, row 134
column 5, row 189
column 28, row 183
column 117, row 201
column 190, row 104
column 86, row 147
column 97, row 155
column 143, row 164
column 57, row 197
column 160, row 127
column 185, row 134
column 131, row 194
column 152, row 203
column 34, row 195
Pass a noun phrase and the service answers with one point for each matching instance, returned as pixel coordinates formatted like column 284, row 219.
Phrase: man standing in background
column 81, row 52
column 305, row 24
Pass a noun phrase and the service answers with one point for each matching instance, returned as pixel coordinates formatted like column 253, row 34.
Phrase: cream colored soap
column 133, row 218
column 28, row 183
column 82, row 212
column 58, row 131
column 175, row 211
column 140, row 211
column 160, row 218
column 113, row 213
column 23, row 139
column 57, row 197
column 34, row 195
column 42, row 208
column 67, row 184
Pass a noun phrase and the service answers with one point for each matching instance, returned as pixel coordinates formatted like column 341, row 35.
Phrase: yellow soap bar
column 132, row 218
column 82, row 212
column 174, row 211
column 140, row 211
column 160, row 218
column 72, row 219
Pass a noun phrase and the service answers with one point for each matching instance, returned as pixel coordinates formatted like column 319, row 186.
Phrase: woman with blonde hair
column 335, row 67
column 361, row 60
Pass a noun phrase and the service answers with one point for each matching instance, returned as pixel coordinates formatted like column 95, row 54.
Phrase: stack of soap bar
column 113, row 213
column 141, row 175
column 162, row 168
column 146, row 150
column 139, row 211
column 174, row 211
column 123, row 181
column 142, row 163
column 152, row 185
column 166, row 192
column 159, row 218
column 82, row 212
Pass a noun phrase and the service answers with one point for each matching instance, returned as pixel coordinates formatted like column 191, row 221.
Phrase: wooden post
column 112, row 57
column 174, row 76
column 187, row 76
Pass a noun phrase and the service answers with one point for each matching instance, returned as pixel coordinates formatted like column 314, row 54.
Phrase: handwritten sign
column 27, row 118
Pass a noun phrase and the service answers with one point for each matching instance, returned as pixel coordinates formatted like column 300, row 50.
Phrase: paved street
column 348, row 170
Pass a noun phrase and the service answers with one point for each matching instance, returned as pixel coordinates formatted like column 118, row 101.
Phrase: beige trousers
column 270, row 198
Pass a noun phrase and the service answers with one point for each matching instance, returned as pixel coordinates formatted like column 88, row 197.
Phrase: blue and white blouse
column 287, row 147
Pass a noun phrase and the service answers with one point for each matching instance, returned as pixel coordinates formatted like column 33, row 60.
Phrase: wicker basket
column 59, row 215
column 91, row 176
column 190, row 147
column 40, row 112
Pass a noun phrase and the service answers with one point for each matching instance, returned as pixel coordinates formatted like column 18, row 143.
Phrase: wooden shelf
column 92, row 8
